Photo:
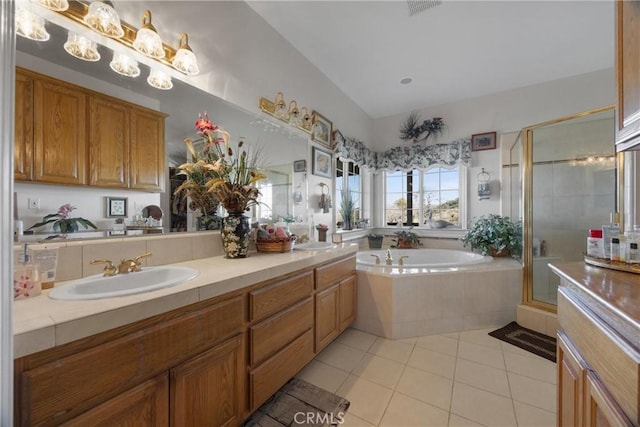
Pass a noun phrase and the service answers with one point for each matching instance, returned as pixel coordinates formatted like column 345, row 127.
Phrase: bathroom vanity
column 598, row 346
column 205, row 352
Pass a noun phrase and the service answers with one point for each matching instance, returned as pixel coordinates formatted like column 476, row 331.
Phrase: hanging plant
column 412, row 129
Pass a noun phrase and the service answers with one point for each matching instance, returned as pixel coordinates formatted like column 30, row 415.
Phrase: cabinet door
column 327, row 312
column 347, row 302
column 628, row 73
column 60, row 122
column 601, row 410
column 208, row 390
column 147, row 151
column 143, row 405
column 571, row 373
column 108, row 143
column 23, row 145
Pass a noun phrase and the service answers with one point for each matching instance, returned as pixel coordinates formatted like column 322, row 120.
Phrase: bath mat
column 300, row 403
column 526, row 339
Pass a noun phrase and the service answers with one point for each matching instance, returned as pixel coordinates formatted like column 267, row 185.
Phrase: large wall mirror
column 571, row 177
column 279, row 148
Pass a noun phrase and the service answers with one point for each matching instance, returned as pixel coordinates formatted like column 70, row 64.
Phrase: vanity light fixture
column 81, row 47
column 294, row 114
column 159, row 80
column 185, row 60
column 104, row 19
column 125, row 65
column 29, row 25
column 295, row 117
column 55, row 5
column 147, row 41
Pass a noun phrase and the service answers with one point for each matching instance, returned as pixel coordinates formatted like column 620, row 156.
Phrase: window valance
column 404, row 158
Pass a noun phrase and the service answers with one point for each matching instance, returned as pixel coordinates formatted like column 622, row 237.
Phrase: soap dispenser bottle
column 26, row 277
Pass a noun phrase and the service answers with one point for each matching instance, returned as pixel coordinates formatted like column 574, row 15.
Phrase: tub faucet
column 401, row 260
column 389, row 260
column 131, row 265
column 377, row 258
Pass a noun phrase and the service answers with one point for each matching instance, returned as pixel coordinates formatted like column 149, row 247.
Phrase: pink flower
column 65, row 210
column 203, row 124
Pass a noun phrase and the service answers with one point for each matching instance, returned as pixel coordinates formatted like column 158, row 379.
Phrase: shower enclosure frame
column 527, row 202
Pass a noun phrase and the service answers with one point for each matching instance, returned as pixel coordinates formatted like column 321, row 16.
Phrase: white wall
column 501, row 112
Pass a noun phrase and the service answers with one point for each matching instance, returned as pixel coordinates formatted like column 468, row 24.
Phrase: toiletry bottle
column 26, row 278
column 614, row 251
column 595, row 245
column 610, row 231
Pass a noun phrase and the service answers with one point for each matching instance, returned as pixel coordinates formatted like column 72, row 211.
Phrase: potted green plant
column 375, row 240
column 406, row 240
column 495, row 235
column 347, row 208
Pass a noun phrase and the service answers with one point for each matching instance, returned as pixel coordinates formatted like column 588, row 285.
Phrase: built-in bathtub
column 435, row 291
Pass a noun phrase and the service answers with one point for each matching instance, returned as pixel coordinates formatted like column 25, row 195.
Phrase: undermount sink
column 314, row 246
column 99, row 286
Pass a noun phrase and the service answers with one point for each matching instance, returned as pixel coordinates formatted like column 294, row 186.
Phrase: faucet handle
column 401, row 260
column 137, row 259
column 377, row 258
column 109, row 268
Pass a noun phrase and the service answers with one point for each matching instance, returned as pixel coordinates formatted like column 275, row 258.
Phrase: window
column 413, row 198
column 348, row 178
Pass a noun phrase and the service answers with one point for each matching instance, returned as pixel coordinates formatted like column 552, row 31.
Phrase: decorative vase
column 404, row 244
column 322, row 235
column 346, row 224
column 375, row 242
column 236, row 232
column 208, row 222
column 496, row 254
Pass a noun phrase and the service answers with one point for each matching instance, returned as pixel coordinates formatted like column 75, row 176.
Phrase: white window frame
column 345, row 185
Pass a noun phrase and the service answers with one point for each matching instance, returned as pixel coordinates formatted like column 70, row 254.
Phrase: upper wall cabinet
column 73, row 136
column 628, row 74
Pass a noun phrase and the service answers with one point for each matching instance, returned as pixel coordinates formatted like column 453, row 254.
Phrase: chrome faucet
column 389, row 260
column 401, row 260
column 109, row 268
column 131, row 265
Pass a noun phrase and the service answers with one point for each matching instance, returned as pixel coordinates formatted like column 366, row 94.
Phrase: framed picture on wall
column 337, row 136
column 321, row 163
column 321, row 129
column 116, row 207
column 483, row 141
column 300, row 165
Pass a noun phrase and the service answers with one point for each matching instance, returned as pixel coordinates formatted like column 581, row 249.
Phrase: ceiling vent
column 417, row 6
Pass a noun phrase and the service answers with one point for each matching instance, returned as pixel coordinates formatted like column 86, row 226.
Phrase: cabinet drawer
column 331, row 273
column 616, row 362
column 270, row 335
column 273, row 298
column 57, row 391
column 276, row 371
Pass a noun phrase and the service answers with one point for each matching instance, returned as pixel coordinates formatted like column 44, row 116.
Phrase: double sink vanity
column 215, row 340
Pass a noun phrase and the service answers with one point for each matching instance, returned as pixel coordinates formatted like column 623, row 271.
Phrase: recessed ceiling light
column 406, row 80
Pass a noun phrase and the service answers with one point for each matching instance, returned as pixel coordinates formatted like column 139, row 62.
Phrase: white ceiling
column 454, row 51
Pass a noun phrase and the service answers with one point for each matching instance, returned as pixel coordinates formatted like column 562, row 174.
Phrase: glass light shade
column 185, row 61
column 56, row 5
column 104, row 19
column 81, row 47
column 159, row 80
column 147, row 41
column 30, row 26
column 125, row 65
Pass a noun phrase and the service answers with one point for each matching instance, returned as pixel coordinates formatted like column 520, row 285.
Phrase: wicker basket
column 275, row 245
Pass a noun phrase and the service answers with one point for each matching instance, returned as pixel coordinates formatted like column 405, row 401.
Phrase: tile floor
column 459, row 379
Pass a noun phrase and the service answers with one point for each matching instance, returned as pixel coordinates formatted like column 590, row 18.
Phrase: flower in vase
column 62, row 223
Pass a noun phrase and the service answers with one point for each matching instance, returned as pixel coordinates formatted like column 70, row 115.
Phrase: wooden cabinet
column 60, row 133
column 628, row 74
column 208, row 389
column 327, row 313
column 23, row 142
column 600, row 408
column 69, row 135
column 146, row 405
column 348, row 302
column 571, row 373
column 108, row 143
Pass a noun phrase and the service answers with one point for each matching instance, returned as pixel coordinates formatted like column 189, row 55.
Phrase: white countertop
column 40, row 322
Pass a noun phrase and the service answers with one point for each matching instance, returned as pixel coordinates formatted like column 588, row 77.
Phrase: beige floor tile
column 406, row 411
column 481, row 337
column 433, row 362
column 454, row 335
column 482, row 406
column 530, row 416
column 341, row 356
column 411, row 341
column 357, row 339
column 538, row 367
column 394, row 350
column 426, row 386
column 379, row 370
column 439, row 343
column 351, row 420
column 482, row 376
column 533, row 392
column 368, row 399
column 481, row 354
column 517, row 350
column 458, row 421
column 322, row 375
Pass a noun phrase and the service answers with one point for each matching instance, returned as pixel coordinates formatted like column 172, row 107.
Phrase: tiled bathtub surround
column 417, row 302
